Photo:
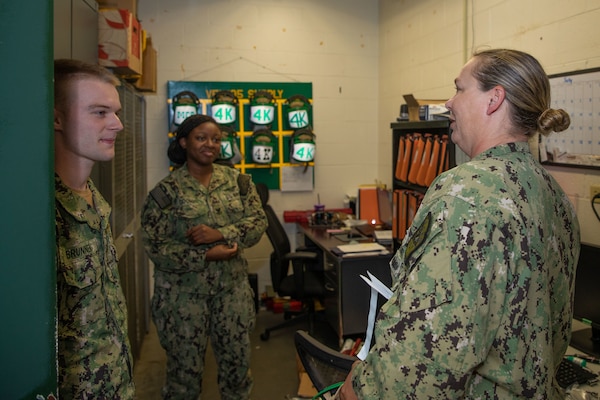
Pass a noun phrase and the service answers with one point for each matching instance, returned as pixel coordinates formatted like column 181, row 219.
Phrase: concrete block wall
column 334, row 44
column 424, row 43
column 361, row 56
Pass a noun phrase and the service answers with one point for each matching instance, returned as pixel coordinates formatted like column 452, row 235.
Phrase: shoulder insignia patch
column 418, row 237
column 160, row 196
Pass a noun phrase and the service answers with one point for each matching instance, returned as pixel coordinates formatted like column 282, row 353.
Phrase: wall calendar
column 578, row 93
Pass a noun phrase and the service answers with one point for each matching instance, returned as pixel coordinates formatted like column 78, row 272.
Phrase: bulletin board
column 269, row 174
column 578, row 93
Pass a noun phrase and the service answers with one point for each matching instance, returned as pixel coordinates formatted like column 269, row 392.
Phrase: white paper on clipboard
column 297, row 179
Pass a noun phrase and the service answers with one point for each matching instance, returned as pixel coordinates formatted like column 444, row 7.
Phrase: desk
column 347, row 299
column 578, row 325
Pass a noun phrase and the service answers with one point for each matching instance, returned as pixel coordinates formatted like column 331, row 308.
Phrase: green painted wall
column 27, row 277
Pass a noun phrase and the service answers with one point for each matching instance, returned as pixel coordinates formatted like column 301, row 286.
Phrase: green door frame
column 27, row 272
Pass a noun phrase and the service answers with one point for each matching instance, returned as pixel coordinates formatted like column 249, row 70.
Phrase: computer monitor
column 586, row 307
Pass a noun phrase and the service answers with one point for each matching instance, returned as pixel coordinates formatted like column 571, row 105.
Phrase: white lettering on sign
column 304, row 152
column 262, row 154
column 298, row 119
column 182, row 112
column 262, row 114
column 223, row 113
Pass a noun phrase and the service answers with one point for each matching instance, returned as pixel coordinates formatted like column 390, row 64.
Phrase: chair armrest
column 323, row 365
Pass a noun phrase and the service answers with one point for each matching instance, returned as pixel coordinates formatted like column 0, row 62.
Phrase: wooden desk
column 347, row 300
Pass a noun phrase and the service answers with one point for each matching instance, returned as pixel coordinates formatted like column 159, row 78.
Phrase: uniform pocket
column 79, row 262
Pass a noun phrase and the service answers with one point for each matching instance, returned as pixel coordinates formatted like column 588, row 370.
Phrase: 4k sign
column 298, row 119
column 226, row 150
column 304, row 152
column 223, row 113
column 262, row 115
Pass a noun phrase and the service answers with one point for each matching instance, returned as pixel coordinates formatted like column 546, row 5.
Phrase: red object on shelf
column 302, row 216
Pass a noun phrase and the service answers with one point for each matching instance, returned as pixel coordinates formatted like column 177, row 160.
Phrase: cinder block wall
column 334, row 44
column 361, row 56
column 424, row 43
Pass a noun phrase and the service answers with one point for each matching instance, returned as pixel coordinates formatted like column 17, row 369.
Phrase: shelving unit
column 403, row 129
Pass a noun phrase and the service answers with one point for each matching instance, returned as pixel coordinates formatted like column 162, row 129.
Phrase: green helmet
column 263, row 146
column 224, row 106
column 303, row 145
column 262, row 108
column 298, row 107
column 229, row 147
column 184, row 104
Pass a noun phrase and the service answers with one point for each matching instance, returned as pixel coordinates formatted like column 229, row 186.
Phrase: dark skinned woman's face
column 202, row 144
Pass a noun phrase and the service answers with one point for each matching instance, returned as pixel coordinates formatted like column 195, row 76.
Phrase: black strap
column 243, row 181
column 160, row 196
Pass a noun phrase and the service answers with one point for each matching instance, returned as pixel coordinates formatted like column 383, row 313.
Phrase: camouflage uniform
column 94, row 356
column 483, row 287
column 195, row 300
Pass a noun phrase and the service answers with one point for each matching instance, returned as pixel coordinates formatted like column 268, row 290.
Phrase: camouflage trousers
column 186, row 321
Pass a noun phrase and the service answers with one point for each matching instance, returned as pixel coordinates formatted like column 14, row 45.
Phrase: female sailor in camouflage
column 196, row 223
column 483, row 281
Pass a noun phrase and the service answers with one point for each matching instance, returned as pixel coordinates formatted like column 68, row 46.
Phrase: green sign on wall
column 186, row 98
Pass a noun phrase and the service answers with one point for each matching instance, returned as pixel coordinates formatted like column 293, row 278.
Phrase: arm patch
column 160, row 196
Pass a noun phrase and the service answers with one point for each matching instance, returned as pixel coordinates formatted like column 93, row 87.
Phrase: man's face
column 86, row 126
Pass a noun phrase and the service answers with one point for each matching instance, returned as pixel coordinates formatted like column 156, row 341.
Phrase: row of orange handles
column 421, row 157
column 405, row 205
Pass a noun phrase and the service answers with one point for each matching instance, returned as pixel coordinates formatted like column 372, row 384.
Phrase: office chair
column 304, row 284
column 324, row 366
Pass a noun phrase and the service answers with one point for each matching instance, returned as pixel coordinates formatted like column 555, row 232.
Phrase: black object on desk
column 349, row 236
column 569, row 373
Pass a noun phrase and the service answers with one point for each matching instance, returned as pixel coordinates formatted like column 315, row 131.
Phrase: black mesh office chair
column 305, row 284
column 323, row 365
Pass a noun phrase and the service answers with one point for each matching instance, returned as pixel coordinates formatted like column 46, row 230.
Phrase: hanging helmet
column 262, row 108
column 229, row 147
column 303, row 145
column 184, row 104
column 223, row 108
column 263, row 146
column 298, row 107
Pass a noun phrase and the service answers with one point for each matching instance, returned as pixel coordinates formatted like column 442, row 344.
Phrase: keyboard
column 569, row 373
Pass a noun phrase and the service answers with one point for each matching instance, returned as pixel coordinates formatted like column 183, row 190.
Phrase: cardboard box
column 130, row 5
column 147, row 83
column 305, row 385
column 414, row 105
column 119, row 42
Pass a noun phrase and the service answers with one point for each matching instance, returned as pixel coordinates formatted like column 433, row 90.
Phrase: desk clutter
column 326, row 218
column 360, row 249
